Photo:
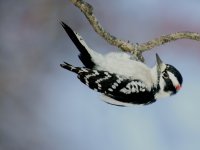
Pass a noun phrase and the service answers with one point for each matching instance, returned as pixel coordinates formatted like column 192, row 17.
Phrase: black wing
column 119, row 88
column 114, row 86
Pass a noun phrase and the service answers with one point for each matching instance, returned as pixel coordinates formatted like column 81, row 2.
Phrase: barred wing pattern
column 117, row 87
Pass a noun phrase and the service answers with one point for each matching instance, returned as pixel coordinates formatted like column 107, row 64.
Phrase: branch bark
column 136, row 49
column 168, row 38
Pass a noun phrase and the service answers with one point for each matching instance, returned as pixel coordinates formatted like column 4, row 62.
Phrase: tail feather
column 78, row 41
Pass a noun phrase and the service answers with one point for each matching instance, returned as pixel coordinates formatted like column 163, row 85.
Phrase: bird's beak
column 159, row 61
column 159, row 64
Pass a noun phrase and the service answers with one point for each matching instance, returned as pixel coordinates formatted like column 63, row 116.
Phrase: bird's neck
column 155, row 77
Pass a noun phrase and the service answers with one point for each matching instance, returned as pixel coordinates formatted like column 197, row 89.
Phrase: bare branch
column 168, row 38
column 136, row 49
column 87, row 10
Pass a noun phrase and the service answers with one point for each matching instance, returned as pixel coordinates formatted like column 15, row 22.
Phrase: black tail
column 78, row 41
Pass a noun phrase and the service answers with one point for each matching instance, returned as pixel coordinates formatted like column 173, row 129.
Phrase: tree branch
column 168, row 38
column 135, row 49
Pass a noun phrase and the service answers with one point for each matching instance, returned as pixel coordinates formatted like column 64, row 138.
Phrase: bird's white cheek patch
column 174, row 81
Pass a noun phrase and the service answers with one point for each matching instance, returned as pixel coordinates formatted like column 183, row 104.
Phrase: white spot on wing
column 72, row 67
column 111, row 90
column 113, row 86
column 125, row 91
column 99, row 85
column 118, row 81
column 133, row 87
column 105, row 78
column 93, row 74
column 85, row 70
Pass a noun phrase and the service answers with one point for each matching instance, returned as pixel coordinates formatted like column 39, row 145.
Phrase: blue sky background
column 45, row 107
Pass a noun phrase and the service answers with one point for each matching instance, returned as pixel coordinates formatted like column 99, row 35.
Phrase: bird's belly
column 128, row 68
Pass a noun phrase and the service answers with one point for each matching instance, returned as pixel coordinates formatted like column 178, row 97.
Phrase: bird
column 120, row 78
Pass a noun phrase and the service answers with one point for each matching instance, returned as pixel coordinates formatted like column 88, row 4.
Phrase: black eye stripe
column 165, row 74
column 169, row 86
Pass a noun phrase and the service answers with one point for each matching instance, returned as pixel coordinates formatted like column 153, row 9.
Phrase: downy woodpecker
column 122, row 80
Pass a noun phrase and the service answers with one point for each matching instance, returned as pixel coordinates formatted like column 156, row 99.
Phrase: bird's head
column 169, row 79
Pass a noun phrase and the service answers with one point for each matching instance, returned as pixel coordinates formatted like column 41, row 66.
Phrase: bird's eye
column 165, row 75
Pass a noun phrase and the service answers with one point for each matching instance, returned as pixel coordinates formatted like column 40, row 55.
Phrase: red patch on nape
column 178, row 87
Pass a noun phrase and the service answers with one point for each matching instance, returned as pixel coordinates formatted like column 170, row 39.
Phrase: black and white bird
column 122, row 80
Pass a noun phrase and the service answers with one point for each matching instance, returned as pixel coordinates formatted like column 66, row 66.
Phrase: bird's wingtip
column 64, row 64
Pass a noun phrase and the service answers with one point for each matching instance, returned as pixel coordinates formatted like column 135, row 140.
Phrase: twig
column 168, row 38
column 136, row 49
